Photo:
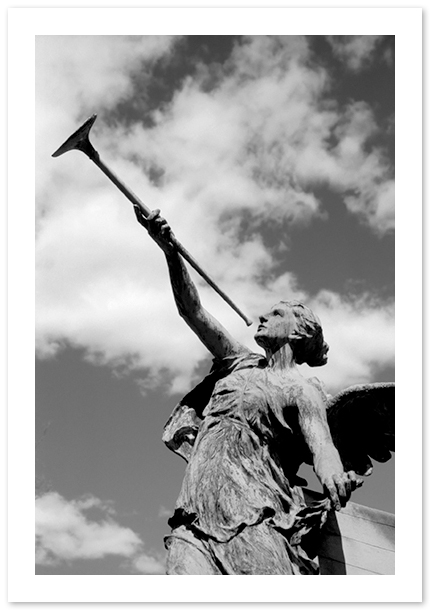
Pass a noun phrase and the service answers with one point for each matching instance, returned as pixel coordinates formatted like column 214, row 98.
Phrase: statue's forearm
column 184, row 290
column 327, row 460
column 211, row 333
column 317, row 435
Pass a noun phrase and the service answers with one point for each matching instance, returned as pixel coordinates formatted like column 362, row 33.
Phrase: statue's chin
column 260, row 340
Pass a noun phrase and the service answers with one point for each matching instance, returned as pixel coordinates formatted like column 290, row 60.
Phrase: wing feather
column 362, row 422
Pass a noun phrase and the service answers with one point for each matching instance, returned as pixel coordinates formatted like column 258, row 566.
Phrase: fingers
column 333, row 495
column 160, row 231
column 140, row 217
column 158, row 224
column 341, row 486
column 154, row 214
column 347, row 482
column 355, row 480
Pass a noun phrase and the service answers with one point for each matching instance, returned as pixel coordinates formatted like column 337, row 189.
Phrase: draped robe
column 240, row 509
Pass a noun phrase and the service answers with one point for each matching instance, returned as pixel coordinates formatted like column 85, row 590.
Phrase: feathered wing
column 361, row 420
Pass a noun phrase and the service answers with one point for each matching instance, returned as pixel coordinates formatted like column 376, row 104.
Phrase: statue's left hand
column 339, row 486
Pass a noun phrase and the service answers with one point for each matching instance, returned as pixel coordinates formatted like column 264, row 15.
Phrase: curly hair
column 308, row 344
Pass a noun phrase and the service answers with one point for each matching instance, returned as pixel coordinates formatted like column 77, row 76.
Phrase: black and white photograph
column 216, row 319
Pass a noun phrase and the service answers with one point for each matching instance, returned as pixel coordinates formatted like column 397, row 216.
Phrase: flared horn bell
column 78, row 140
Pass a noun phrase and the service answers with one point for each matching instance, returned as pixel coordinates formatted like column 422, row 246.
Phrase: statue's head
column 293, row 323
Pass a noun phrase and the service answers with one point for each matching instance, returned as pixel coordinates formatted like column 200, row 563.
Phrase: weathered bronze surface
column 246, row 429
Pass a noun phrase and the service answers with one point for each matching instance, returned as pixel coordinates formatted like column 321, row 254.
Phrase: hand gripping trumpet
column 79, row 140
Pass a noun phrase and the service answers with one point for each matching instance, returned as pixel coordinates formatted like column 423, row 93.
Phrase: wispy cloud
column 164, row 512
column 65, row 533
column 255, row 136
column 145, row 564
column 356, row 51
column 361, row 339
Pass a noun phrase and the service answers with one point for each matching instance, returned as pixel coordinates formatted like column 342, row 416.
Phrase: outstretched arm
column 328, row 467
column 211, row 333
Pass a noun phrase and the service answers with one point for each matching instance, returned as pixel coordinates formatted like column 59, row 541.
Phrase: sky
column 272, row 157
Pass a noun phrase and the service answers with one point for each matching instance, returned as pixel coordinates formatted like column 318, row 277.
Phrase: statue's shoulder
column 318, row 385
column 242, row 358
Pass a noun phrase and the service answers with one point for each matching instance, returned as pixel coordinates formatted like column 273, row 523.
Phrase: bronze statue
column 249, row 425
column 246, row 429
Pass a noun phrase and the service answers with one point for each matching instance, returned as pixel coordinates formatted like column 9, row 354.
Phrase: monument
column 248, row 426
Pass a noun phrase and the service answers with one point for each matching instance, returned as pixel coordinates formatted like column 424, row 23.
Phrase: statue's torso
column 246, row 454
column 239, row 504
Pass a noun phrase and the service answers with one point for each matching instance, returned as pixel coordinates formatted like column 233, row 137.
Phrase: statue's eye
column 278, row 312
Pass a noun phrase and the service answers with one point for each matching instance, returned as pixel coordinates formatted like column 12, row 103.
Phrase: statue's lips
column 261, row 327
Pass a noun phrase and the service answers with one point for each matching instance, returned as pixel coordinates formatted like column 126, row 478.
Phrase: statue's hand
column 160, row 231
column 338, row 487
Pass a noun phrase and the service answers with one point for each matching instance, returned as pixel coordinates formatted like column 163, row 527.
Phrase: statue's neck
column 281, row 359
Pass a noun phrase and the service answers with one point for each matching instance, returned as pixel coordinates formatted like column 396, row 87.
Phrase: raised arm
column 210, row 332
column 328, row 467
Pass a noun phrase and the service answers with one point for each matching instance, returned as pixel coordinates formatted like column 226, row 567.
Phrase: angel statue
column 246, row 429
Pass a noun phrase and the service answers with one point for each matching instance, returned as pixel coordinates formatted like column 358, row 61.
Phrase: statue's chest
column 256, row 395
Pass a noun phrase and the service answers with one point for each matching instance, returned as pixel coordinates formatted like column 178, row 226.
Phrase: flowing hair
column 308, row 343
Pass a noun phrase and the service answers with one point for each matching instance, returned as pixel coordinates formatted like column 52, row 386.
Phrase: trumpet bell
column 78, row 140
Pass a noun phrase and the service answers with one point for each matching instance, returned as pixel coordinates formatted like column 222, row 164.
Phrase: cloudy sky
column 272, row 157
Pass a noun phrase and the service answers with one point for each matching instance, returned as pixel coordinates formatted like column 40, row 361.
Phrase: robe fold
column 240, row 509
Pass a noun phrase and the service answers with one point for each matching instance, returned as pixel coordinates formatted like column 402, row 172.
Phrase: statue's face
column 276, row 326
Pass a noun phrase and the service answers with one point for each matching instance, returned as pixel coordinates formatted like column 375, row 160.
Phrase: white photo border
column 24, row 25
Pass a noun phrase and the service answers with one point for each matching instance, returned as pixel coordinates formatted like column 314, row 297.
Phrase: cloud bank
column 64, row 533
column 251, row 138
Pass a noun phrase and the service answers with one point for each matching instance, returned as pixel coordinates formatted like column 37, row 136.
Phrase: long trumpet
column 79, row 140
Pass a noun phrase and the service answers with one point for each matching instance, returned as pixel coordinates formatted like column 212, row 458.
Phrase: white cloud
column 360, row 334
column 356, row 51
column 75, row 73
column 348, row 167
column 65, row 533
column 253, row 137
column 145, row 564
column 96, row 69
column 76, row 77
column 376, row 206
